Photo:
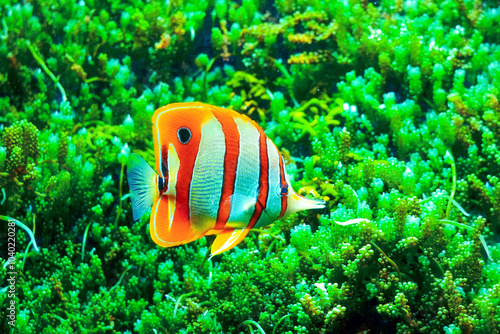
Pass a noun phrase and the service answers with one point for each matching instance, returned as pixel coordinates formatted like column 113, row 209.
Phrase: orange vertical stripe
column 260, row 206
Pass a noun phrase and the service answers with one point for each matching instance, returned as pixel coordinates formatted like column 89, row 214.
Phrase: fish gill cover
column 389, row 110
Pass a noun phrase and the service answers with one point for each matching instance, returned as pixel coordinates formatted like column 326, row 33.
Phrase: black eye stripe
column 184, row 135
column 160, row 183
column 164, row 167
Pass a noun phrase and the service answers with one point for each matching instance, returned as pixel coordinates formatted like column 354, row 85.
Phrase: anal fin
column 227, row 239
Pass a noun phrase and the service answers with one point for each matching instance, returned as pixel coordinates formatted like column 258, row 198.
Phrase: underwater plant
column 388, row 110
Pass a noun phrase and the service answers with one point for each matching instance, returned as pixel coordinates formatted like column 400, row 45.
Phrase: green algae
column 388, row 109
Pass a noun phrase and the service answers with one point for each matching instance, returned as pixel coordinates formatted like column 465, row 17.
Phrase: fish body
column 216, row 173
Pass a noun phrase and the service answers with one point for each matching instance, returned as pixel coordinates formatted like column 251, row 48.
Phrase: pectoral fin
column 227, row 239
column 168, row 228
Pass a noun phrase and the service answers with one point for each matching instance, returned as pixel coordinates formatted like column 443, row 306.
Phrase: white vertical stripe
column 273, row 204
column 173, row 163
column 208, row 176
column 246, row 185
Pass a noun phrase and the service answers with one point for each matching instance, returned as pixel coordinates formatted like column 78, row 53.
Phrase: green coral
column 18, row 159
column 21, row 146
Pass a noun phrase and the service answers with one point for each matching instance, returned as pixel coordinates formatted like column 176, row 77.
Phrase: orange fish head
column 177, row 132
column 177, row 136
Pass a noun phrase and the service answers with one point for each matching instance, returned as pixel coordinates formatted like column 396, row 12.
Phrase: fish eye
column 282, row 190
column 184, row 135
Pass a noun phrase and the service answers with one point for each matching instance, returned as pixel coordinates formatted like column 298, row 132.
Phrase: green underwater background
column 388, row 109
